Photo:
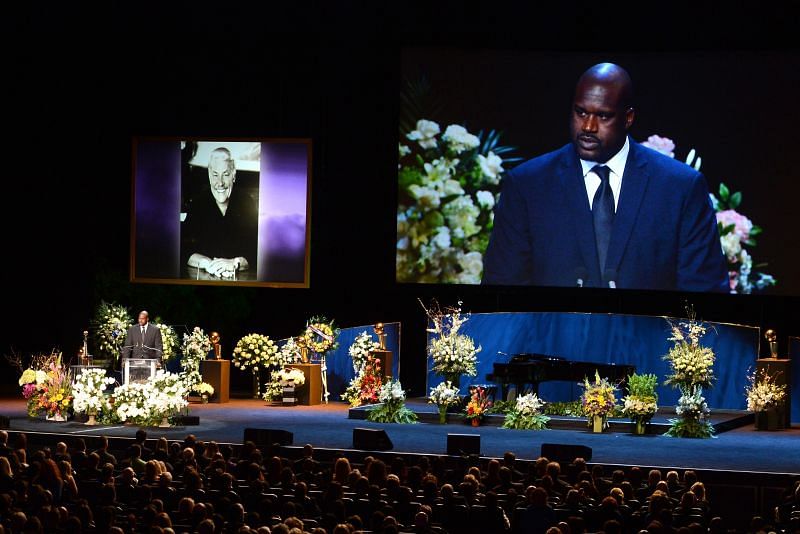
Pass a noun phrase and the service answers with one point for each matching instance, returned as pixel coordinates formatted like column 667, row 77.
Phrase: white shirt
column 616, row 166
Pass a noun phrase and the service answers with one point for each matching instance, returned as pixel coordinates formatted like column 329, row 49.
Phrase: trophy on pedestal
column 383, row 355
column 215, row 338
column 781, row 369
column 772, row 338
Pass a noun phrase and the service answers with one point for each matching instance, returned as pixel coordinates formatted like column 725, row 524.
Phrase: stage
column 740, row 449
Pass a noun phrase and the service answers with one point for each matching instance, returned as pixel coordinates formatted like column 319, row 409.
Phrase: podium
column 138, row 370
column 310, row 393
column 781, row 368
column 217, row 373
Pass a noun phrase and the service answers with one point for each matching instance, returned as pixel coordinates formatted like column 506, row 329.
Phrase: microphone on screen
column 581, row 274
column 610, row 277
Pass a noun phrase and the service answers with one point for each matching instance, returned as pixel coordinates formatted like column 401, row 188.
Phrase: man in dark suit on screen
column 604, row 211
column 143, row 340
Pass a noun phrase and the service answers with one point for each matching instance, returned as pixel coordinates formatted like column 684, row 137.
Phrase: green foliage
column 643, row 386
column 516, row 421
column 573, row 409
column 690, row 428
column 501, row 407
column 391, row 412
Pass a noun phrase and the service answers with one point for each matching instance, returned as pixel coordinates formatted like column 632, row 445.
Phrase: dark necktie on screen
column 602, row 213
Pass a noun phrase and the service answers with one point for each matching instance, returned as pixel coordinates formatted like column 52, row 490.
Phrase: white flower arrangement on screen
column 448, row 187
column 291, row 375
column 88, row 391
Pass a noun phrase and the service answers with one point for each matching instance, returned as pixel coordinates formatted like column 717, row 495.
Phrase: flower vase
column 204, row 399
column 443, row 414
column 164, row 422
column 92, row 419
column 453, row 378
column 767, row 420
column 475, row 421
column 640, row 427
column 598, row 423
column 57, row 417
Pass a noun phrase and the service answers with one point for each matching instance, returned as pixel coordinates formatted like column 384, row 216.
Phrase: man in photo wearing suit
column 143, row 340
column 604, row 211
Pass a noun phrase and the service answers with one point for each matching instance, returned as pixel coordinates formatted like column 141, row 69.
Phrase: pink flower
column 665, row 145
column 743, row 225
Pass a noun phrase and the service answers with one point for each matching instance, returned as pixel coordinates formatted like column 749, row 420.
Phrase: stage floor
column 741, row 449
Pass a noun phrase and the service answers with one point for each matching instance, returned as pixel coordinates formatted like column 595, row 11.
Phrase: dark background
column 82, row 79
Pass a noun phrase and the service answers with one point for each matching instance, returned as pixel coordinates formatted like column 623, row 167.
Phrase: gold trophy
column 381, row 353
column 84, row 352
column 215, row 338
column 772, row 338
column 301, row 343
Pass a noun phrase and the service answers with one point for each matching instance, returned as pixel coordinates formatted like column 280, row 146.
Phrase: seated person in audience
column 102, row 451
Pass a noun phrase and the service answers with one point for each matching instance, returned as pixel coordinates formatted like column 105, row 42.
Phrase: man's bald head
column 602, row 112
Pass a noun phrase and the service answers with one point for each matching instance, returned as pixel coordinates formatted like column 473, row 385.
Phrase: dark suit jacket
column 136, row 346
column 664, row 234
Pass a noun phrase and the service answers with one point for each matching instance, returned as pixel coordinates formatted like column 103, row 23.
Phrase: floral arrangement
column 763, row 393
column 443, row 396
column 195, row 348
column 88, row 392
column 169, row 340
column 448, row 185
column 526, row 414
column 692, row 370
column 736, row 230
column 291, row 375
column 290, row 351
column 478, row 404
column 365, row 387
column 453, row 354
column 598, row 398
column 255, row 351
column 392, row 408
column 148, row 403
column 204, row 389
column 112, row 322
column 47, row 386
column 320, row 335
column 273, row 388
column 641, row 403
column 361, row 349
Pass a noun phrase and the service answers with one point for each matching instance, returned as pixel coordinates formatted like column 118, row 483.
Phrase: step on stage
column 738, row 449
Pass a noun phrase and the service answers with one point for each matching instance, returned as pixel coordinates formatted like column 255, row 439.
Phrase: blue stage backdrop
column 794, row 355
column 607, row 338
column 340, row 366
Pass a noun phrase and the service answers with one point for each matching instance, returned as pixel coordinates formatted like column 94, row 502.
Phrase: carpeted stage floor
column 742, row 449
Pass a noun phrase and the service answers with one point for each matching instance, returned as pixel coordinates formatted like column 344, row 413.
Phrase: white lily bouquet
column 170, row 344
column 112, row 322
column 763, row 392
column 88, row 392
column 204, row 389
column 360, row 350
column 131, row 404
column 448, row 186
column 443, row 396
column 196, row 346
column 168, row 394
column 453, row 354
column 526, row 414
column 392, row 408
column 692, row 370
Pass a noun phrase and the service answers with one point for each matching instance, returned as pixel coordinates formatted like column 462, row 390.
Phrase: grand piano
column 531, row 369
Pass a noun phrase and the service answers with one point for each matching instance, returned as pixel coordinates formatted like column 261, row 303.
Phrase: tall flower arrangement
column 170, row 343
column 598, row 400
column 453, row 354
column 256, row 352
column 47, row 386
column 392, row 408
column 736, row 230
column 692, row 369
column 368, row 379
column 526, row 414
column 448, row 185
column 112, row 322
column 763, row 392
column 195, row 348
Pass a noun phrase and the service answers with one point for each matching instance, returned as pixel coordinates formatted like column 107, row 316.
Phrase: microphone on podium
column 610, row 277
column 581, row 275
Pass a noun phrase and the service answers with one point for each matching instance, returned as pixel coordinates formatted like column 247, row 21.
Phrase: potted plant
column 477, row 406
column 598, row 400
column 443, row 396
column 641, row 403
